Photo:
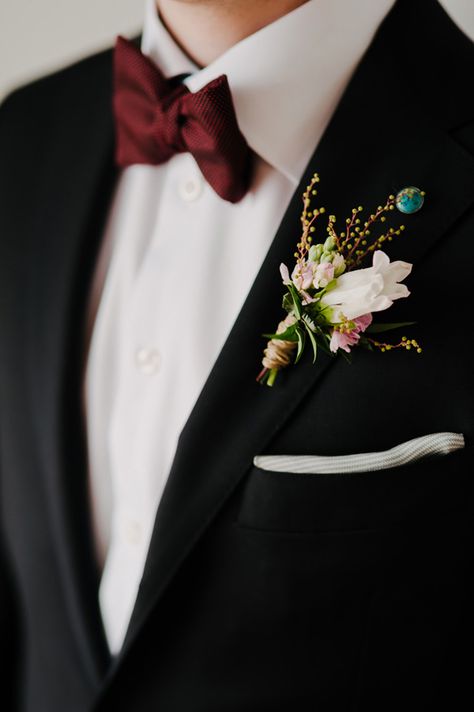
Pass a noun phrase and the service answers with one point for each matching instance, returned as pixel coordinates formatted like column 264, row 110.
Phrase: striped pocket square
column 404, row 454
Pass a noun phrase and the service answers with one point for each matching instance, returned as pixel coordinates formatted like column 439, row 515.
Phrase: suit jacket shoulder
column 33, row 118
column 42, row 96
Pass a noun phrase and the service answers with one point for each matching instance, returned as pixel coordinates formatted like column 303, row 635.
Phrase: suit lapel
column 370, row 149
column 70, row 207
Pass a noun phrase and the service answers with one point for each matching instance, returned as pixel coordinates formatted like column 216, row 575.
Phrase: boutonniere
column 330, row 295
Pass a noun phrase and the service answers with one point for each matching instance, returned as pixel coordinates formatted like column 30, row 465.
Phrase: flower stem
column 272, row 376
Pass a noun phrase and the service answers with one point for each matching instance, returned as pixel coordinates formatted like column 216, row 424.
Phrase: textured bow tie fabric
column 157, row 118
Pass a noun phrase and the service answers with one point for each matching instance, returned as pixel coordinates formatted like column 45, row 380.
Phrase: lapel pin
column 410, row 200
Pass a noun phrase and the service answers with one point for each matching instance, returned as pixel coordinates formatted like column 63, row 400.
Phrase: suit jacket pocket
column 430, row 491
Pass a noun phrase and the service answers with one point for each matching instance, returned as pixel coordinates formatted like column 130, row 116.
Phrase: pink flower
column 307, row 298
column 345, row 339
column 302, row 275
column 362, row 322
column 323, row 274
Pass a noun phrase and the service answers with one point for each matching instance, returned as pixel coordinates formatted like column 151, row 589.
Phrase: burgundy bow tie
column 157, row 118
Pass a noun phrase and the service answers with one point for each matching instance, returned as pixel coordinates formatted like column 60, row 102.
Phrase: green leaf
column 321, row 313
column 313, row 342
column 365, row 343
column 309, row 323
column 324, row 346
column 378, row 328
column 287, row 335
column 301, row 343
column 347, row 357
column 287, row 303
column 296, row 300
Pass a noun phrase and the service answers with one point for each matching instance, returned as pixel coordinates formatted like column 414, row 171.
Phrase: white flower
column 368, row 290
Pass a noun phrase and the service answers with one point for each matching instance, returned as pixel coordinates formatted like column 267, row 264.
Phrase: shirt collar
column 287, row 78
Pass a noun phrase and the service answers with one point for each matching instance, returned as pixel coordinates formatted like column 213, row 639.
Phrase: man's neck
column 205, row 29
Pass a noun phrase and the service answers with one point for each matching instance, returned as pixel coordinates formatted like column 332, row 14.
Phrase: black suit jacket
column 262, row 591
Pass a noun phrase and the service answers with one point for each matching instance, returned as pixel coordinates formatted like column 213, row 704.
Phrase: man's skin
column 205, row 29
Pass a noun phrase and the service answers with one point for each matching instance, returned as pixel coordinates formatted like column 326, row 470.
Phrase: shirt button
column 148, row 361
column 133, row 532
column 191, row 188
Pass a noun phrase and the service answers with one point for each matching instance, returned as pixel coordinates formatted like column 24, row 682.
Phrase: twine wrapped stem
column 278, row 353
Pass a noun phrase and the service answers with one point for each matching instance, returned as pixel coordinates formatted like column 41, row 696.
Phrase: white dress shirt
column 172, row 248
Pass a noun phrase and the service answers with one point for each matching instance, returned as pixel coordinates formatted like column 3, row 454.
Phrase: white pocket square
column 404, row 454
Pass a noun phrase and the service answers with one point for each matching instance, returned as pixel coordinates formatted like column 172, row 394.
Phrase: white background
column 38, row 36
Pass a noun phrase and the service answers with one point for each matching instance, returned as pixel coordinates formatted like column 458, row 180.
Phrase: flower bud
column 327, row 257
column 339, row 264
column 330, row 244
column 315, row 252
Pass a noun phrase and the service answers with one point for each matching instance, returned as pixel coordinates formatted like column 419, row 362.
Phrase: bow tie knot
column 156, row 118
column 169, row 125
